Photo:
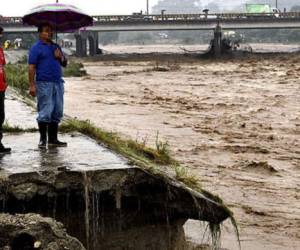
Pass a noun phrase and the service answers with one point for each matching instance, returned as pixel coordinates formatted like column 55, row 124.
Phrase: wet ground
column 17, row 113
column 82, row 153
column 235, row 124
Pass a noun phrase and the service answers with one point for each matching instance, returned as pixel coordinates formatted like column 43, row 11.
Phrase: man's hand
column 31, row 75
column 32, row 90
column 58, row 54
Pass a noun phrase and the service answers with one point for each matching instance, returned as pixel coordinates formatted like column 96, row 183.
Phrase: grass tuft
column 74, row 69
column 183, row 175
column 6, row 128
column 115, row 142
column 17, row 77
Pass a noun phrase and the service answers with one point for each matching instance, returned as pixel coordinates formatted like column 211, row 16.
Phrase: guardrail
column 195, row 17
column 176, row 17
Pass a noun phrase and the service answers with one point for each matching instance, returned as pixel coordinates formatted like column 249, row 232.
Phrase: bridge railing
column 174, row 17
column 195, row 17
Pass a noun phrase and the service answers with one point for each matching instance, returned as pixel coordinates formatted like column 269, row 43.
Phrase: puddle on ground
column 82, row 153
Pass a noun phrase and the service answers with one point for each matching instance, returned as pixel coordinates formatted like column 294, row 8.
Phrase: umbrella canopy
column 61, row 16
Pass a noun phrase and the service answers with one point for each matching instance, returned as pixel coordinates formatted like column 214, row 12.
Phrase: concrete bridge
column 139, row 22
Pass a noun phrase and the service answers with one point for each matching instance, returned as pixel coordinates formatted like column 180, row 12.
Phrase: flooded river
column 234, row 123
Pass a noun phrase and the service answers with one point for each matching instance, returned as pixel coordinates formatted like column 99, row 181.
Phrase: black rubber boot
column 43, row 134
column 52, row 136
column 4, row 150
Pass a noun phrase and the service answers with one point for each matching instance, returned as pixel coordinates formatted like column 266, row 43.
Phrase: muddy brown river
column 234, row 123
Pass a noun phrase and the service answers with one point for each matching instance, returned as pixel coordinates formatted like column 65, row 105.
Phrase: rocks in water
column 260, row 166
column 32, row 231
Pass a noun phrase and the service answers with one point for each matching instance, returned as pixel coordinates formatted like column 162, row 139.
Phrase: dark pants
column 2, row 113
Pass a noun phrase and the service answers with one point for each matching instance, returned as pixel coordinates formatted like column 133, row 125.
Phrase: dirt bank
column 235, row 124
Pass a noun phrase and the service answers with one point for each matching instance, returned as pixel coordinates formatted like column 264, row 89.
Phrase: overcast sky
column 92, row 7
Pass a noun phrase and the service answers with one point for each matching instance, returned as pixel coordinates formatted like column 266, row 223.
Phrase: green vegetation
column 16, row 129
column 74, row 69
column 183, row 175
column 129, row 148
column 17, row 77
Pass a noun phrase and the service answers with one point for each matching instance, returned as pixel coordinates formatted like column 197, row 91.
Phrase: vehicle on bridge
column 262, row 10
column 139, row 16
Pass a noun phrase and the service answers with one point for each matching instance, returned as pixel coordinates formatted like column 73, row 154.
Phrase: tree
column 213, row 7
column 295, row 8
column 178, row 6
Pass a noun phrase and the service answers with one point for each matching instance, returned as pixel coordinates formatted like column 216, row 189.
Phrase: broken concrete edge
column 129, row 182
column 34, row 231
column 74, row 125
column 188, row 203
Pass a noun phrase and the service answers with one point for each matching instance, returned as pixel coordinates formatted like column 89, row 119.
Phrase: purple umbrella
column 61, row 16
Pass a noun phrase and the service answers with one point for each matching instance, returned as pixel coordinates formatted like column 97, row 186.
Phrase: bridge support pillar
column 86, row 43
column 93, row 43
column 217, row 42
column 80, row 45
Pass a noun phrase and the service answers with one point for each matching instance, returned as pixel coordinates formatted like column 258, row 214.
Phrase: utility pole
column 276, row 4
column 162, row 14
column 147, row 7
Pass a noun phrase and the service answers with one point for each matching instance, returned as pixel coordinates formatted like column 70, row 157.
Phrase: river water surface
column 234, row 123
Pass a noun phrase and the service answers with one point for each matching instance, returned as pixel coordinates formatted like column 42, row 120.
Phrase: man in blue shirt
column 46, row 83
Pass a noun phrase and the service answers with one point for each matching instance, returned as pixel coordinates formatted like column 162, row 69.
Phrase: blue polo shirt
column 48, row 68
